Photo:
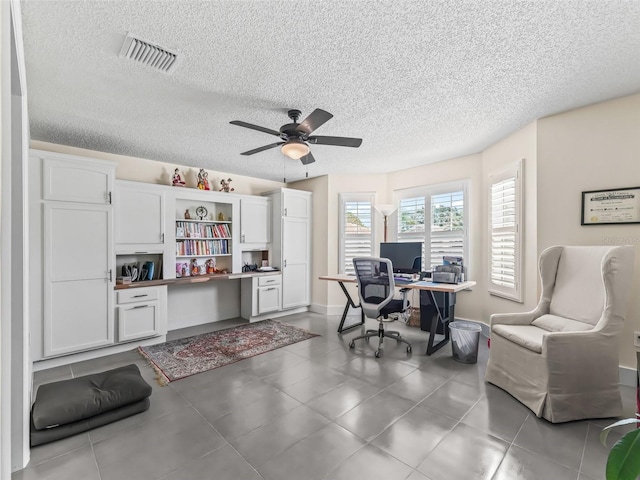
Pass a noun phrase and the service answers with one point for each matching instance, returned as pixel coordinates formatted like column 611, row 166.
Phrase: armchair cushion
column 526, row 336
column 579, row 277
column 553, row 323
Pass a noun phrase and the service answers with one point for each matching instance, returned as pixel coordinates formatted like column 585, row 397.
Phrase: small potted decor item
column 187, row 215
column 177, row 179
column 623, row 462
column 226, row 185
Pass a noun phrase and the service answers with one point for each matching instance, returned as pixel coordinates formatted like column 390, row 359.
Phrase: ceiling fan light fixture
column 295, row 149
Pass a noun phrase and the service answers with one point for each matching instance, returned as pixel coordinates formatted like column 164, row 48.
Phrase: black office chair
column 376, row 289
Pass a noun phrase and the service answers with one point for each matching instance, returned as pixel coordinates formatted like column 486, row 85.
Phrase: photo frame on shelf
column 611, row 207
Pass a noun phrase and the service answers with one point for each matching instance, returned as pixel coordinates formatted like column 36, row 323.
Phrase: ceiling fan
column 296, row 137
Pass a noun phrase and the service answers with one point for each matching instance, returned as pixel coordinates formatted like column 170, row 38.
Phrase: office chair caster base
column 378, row 353
column 409, row 349
column 352, row 344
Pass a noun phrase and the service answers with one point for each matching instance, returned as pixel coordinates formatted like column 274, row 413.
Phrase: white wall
column 591, row 148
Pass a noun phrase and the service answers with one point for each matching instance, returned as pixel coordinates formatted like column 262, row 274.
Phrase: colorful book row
column 202, row 247
column 202, row 230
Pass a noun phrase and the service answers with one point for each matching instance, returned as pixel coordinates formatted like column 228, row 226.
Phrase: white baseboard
column 330, row 310
column 99, row 352
column 628, row 376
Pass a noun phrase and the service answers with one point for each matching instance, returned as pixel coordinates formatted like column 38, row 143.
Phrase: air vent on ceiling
column 148, row 54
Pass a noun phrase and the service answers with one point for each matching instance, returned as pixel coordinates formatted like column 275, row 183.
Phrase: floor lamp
column 386, row 210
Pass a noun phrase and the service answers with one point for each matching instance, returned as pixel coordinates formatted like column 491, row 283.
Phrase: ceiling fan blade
column 307, row 159
column 337, row 141
column 316, row 119
column 255, row 127
column 261, row 149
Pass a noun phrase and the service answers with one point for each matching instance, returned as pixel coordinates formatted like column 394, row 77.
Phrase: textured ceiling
column 417, row 81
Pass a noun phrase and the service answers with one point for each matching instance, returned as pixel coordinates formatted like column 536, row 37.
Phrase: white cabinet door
column 268, row 299
column 296, row 204
column 76, row 180
column 78, row 277
column 139, row 215
column 138, row 320
column 295, row 262
column 255, row 220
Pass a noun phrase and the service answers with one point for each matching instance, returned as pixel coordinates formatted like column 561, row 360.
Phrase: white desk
column 426, row 288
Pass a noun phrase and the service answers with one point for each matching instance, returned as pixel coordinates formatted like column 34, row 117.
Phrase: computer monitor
column 406, row 257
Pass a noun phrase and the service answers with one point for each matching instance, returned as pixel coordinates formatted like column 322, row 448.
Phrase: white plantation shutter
column 411, row 221
column 447, row 226
column 356, row 229
column 504, row 232
column 437, row 217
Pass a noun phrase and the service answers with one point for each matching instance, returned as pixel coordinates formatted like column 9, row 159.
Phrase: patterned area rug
column 187, row 356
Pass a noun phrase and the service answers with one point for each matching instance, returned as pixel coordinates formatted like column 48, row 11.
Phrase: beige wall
column 464, row 168
column 520, row 145
column 151, row 171
column 591, row 148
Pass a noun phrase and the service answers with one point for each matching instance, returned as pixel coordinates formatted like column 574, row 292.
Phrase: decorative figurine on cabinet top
column 200, row 184
column 177, row 179
column 226, row 185
column 205, row 180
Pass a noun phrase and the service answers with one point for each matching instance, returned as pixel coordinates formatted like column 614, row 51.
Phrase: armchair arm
column 593, row 354
column 523, row 318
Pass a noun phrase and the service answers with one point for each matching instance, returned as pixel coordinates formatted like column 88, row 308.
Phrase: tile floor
column 317, row 410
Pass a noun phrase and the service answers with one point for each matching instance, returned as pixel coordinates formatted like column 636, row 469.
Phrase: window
column 505, row 251
column 356, row 229
column 437, row 217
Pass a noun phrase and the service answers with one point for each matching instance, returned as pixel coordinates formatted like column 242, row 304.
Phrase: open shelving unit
column 206, row 235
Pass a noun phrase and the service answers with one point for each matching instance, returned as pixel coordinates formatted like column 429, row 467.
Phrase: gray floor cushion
column 40, row 437
column 79, row 401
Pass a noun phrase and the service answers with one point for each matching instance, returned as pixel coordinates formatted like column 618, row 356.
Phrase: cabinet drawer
column 137, row 321
column 268, row 299
column 137, row 295
column 269, row 280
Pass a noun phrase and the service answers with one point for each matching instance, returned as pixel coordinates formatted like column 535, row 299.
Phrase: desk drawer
column 269, row 280
column 137, row 295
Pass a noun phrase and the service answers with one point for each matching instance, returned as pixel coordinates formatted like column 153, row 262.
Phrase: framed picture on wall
column 611, row 207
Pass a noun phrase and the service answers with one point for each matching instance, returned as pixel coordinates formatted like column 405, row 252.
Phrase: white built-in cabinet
column 85, row 226
column 141, row 312
column 255, row 221
column 139, row 210
column 77, row 253
column 260, row 296
column 291, row 247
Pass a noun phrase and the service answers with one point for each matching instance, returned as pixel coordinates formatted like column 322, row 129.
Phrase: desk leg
column 431, row 347
column 341, row 327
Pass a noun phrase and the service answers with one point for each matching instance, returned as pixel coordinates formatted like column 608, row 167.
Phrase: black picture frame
column 613, row 206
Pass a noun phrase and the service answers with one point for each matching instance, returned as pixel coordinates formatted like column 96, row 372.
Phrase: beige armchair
column 561, row 359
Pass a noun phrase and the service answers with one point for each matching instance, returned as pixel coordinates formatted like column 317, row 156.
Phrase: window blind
column 435, row 216
column 504, row 204
column 447, row 226
column 357, row 232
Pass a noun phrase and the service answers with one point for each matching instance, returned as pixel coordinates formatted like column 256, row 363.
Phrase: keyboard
column 402, row 280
